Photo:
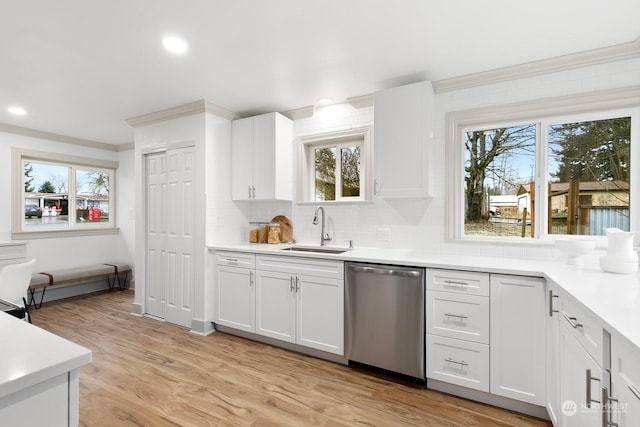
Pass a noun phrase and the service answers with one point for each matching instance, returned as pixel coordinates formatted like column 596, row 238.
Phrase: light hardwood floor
column 148, row 373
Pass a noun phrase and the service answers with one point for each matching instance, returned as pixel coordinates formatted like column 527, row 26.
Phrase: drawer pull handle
column 457, row 362
column 551, row 297
column 635, row 391
column 232, row 260
column 455, row 283
column 607, row 408
column 459, row 316
column 589, row 379
column 572, row 321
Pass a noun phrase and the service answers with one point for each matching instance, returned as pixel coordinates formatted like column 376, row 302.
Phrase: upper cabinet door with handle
column 403, row 124
column 262, row 154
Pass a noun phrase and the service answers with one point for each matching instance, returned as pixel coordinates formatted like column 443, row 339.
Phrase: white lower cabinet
column 235, row 291
column 552, row 350
column 518, row 338
column 459, row 362
column 487, row 332
column 457, row 325
column 301, row 302
column 584, row 370
column 580, row 383
column 623, row 402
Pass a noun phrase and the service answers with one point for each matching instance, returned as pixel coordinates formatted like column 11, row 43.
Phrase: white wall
column 420, row 224
column 217, row 216
column 62, row 252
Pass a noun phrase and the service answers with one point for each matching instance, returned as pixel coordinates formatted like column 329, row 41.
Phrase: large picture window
column 541, row 177
column 58, row 194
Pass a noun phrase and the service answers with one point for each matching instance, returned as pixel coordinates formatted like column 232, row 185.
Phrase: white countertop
column 614, row 298
column 30, row 355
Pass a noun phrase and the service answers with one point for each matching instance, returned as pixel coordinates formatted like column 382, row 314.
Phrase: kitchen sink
column 316, row 249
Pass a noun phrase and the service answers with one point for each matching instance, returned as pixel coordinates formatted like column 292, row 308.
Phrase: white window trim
column 621, row 101
column 330, row 139
column 17, row 199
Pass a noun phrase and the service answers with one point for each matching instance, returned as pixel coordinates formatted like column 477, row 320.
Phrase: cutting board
column 286, row 229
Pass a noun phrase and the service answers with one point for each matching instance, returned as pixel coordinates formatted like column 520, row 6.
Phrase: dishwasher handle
column 385, row 271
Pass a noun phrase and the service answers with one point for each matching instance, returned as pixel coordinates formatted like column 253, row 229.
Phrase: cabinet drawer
column 458, row 362
column 236, row 259
column 301, row 265
column 463, row 282
column 458, row 316
column 584, row 326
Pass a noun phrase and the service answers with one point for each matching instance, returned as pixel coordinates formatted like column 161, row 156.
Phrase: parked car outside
column 32, row 210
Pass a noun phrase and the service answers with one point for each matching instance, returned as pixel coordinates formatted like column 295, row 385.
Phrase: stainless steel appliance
column 385, row 317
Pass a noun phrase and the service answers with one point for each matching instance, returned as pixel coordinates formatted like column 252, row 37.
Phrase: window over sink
column 335, row 166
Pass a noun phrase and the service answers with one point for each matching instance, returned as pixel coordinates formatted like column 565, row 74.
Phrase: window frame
column 623, row 102
column 339, row 139
column 74, row 163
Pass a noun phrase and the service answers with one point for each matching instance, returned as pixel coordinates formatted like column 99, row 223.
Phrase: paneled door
column 170, row 235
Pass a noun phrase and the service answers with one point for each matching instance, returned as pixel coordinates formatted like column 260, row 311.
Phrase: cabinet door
column 276, row 305
column 264, row 154
column 320, row 313
column 625, row 383
column 402, row 139
column 517, row 338
column 553, row 353
column 574, row 383
column 236, row 301
column 242, row 159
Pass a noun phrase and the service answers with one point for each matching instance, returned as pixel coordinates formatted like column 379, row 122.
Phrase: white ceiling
column 81, row 67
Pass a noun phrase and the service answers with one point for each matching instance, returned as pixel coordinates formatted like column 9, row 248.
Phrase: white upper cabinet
column 262, row 158
column 403, row 134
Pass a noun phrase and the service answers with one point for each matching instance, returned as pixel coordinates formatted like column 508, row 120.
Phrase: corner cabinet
column 301, row 301
column 403, row 129
column 518, row 338
column 262, row 158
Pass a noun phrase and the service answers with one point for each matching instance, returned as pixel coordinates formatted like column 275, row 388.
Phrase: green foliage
column 28, row 178
column 325, row 163
column 592, row 151
column 47, row 187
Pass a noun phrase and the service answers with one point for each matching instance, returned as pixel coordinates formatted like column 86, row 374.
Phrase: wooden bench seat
column 116, row 272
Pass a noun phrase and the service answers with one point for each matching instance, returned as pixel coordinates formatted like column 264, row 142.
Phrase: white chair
column 14, row 282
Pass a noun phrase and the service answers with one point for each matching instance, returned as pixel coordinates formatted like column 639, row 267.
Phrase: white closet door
column 180, row 246
column 170, row 235
column 156, row 234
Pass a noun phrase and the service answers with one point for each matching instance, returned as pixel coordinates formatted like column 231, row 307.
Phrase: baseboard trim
column 489, row 399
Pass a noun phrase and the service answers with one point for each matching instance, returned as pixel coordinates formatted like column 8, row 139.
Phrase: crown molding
column 125, row 147
column 196, row 107
column 603, row 55
column 361, row 101
column 299, row 113
column 33, row 133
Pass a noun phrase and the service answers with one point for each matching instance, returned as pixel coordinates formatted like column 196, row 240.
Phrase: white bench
column 114, row 273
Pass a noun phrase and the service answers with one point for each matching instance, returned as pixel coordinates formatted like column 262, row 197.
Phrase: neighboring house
column 595, row 202
column 503, row 204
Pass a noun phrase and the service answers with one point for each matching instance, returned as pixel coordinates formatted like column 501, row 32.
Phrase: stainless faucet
column 324, row 237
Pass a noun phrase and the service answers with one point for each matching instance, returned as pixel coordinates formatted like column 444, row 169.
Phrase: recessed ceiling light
column 325, row 101
column 175, row 44
column 18, row 111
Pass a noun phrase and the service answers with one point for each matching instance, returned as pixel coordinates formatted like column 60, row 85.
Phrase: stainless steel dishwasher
column 385, row 317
